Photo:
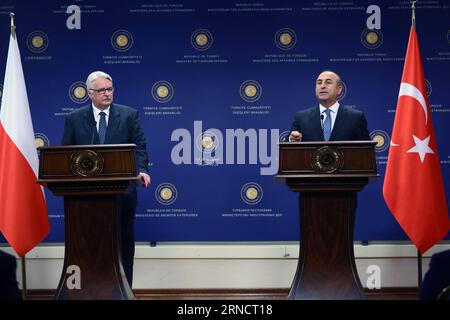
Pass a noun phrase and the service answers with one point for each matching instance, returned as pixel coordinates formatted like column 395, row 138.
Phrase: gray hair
column 94, row 76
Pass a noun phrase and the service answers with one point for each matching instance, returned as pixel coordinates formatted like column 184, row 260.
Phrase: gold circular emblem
column 122, row 40
column 327, row 160
column 207, row 142
column 37, row 41
column 39, row 142
column 162, row 91
column 86, row 163
column 201, row 39
column 166, row 193
column 250, row 90
column 285, row 39
column 380, row 140
column 79, row 92
column 251, row 193
column 372, row 37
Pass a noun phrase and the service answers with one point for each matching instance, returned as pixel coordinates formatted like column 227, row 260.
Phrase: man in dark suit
column 103, row 122
column 9, row 289
column 329, row 121
column 437, row 277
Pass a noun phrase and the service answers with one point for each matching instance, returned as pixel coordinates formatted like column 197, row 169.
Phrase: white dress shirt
column 97, row 115
column 334, row 109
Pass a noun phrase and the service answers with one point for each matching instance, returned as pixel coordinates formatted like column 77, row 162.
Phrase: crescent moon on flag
column 407, row 89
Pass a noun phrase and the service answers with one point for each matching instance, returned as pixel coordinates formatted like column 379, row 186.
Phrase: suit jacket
column 9, row 290
column 437, row 276
column 123, row 127
column 350, row 124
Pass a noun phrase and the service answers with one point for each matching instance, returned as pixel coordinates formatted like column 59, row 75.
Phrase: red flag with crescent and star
column 413, row 188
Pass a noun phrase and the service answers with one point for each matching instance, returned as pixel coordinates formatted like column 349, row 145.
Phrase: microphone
column 93, row 131
column 321, row 119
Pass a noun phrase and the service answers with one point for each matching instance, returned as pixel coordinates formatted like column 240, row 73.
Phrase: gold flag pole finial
column 13, row 27
column 413, row 8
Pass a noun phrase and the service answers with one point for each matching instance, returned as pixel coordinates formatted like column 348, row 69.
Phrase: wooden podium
column 328, row 175
column 90, row 178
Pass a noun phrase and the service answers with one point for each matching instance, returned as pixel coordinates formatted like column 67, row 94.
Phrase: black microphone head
column 321, row 117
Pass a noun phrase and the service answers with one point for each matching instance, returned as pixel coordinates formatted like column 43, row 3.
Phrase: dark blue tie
column 102, row 127
column 327, row 125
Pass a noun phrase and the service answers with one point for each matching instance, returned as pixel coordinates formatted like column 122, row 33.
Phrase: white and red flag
column 413, row 188
column 23, row 211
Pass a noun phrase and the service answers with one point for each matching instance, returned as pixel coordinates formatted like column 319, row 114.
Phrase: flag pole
column 24, row 278
column 419, row 255
column 13, row 27
column 413, row 16
column 419, row 269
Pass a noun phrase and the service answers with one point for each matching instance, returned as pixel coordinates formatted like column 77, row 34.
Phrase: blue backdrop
column 200, row 71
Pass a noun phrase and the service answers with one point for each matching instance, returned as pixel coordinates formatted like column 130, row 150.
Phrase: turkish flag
column 413, row 188
column 23, row 211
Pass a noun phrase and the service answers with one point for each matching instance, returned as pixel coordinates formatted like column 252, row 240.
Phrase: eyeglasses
column 103, row 90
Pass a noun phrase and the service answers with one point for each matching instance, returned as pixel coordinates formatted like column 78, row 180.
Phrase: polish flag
column 23, row 211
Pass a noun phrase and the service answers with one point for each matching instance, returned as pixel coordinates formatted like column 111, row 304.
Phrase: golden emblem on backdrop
column 251, row 193
column 250, row 90
column 122, row 40
column 162, row 91
column 382, row 138
column 37, row 41
column 166, row 193
column 41, row 140
column 285, row 38
column 201, row 39
column 207, row 142
column 371, row 39
column 78, row 92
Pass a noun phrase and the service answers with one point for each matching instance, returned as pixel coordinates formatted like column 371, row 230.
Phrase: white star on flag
column 421, row 147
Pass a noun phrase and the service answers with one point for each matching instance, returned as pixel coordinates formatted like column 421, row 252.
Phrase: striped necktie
column 327, row 125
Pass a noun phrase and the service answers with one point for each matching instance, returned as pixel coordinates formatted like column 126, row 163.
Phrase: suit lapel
column 113, row 124
column 339, row 123
column 90, row 127
column 316, row 124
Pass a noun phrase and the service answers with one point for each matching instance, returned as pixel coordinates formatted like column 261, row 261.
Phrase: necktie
column 327, row 125
column 102, row 127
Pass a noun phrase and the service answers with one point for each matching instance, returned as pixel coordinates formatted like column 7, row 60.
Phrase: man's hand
column 145, row 178
column 295, row 136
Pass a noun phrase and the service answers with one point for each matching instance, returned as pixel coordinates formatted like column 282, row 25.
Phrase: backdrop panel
column 216, row 83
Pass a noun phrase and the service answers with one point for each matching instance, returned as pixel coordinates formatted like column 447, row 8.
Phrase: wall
column 231, row 265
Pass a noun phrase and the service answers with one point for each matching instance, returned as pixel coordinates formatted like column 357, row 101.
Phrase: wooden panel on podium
column 90, row 178
column 327, row 175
